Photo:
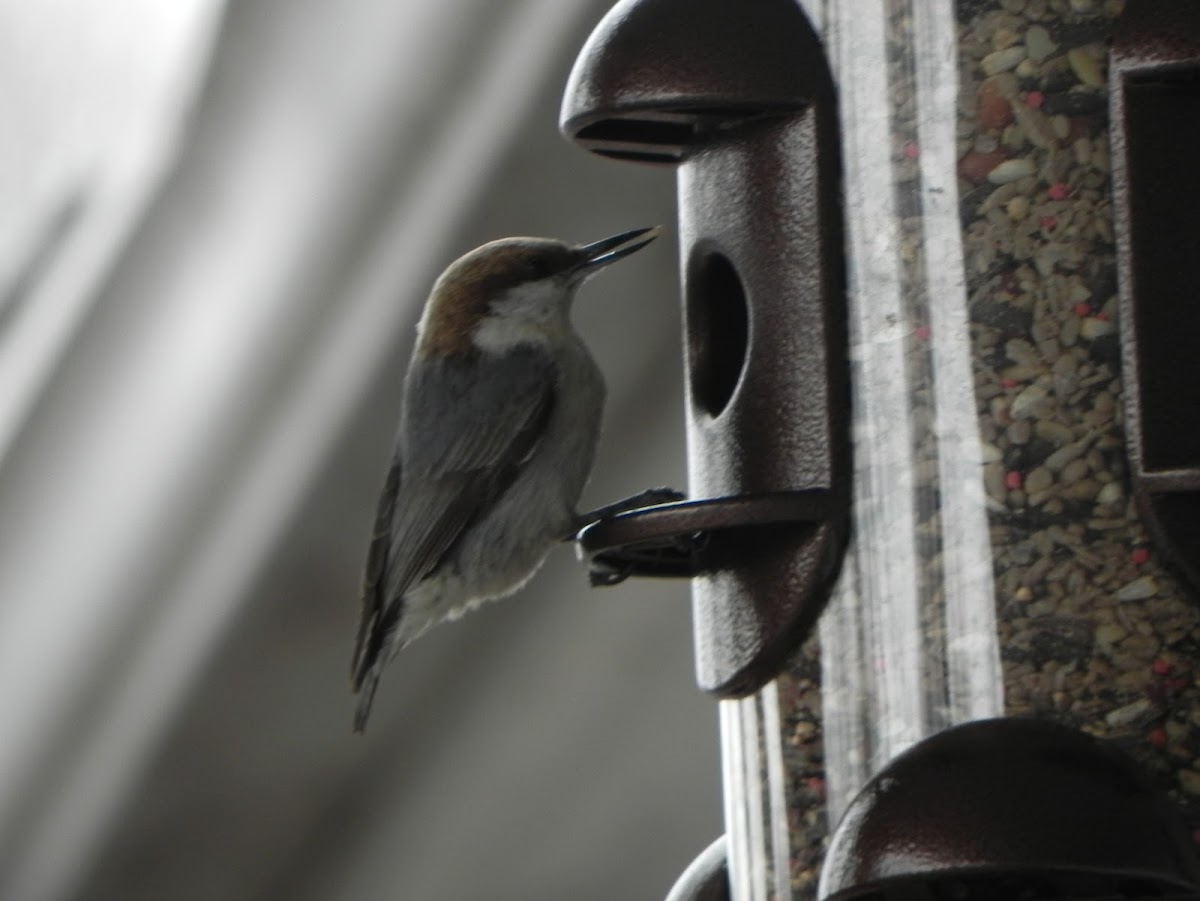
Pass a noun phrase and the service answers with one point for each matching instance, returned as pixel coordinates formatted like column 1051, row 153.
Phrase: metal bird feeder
column 981, row 659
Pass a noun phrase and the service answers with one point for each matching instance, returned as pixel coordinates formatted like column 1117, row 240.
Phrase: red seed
column 1140, row 555
column 922, row 332
column 1083, row 309
column 1158, row 737
column 1161, row 668
column 1048, row 222
column 1013, row 480
column 1008, row 382
column 1102, row 316
column 1058, row 191
column 1035, row 99
column 912, row 150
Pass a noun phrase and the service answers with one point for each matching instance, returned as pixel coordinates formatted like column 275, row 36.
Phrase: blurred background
column 217, row 224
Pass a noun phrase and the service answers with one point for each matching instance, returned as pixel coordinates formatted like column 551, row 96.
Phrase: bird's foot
column 612, row 569
column 604, row 573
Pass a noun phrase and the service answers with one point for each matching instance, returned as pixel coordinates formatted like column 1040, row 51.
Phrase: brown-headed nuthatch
column 501, row 413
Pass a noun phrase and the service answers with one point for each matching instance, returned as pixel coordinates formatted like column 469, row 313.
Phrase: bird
column 499, row 422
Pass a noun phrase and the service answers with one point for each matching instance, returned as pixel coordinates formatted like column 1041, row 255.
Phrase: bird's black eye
column 537, row 268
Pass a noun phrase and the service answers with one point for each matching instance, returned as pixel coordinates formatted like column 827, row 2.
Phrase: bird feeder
column 940, row 263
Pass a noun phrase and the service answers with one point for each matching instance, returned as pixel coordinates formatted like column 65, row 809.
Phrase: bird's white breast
column 538, row 509
column 507, row 545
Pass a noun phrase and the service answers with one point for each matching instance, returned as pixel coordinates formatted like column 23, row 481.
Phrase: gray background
column 553, row 745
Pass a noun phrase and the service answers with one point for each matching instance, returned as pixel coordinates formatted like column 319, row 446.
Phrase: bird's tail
column 367, row 666
column 371, row 654
column 365, row 688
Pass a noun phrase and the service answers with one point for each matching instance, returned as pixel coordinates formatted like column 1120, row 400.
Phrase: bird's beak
column 594, row 257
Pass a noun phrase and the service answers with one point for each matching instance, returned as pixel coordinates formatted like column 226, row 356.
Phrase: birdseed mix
column 1094, row 630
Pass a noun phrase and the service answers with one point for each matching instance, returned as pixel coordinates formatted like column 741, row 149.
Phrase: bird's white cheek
column 498, row 334
column 533, row 313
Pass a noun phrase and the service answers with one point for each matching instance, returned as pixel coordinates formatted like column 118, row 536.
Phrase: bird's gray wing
column 467, row 428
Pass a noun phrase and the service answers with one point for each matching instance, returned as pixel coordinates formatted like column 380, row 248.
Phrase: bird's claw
column 614, row 566
column 662, row 495
column 604, row 573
